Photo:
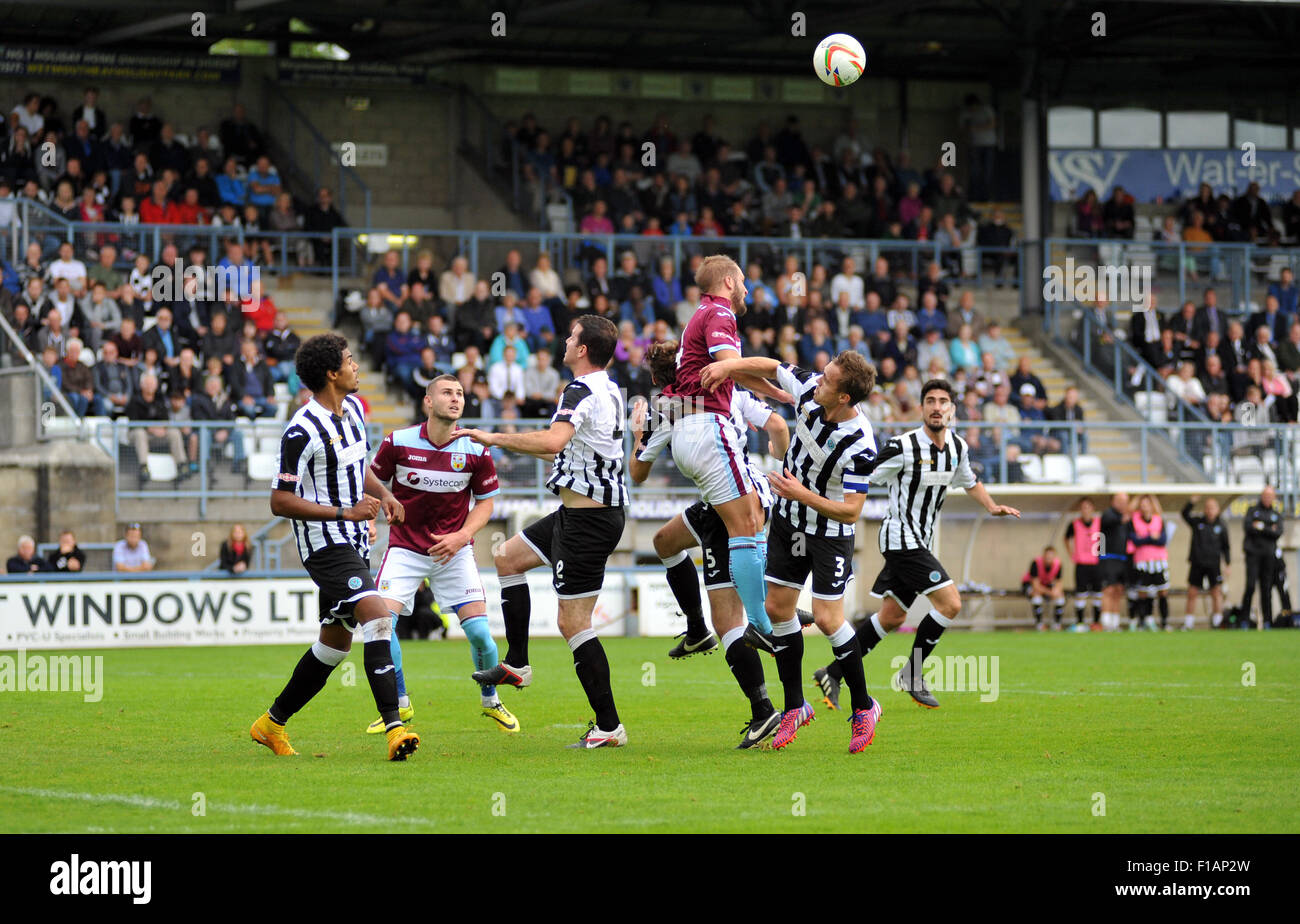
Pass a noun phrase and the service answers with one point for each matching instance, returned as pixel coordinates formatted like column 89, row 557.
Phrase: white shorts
column 707, row 450
column 454, row 582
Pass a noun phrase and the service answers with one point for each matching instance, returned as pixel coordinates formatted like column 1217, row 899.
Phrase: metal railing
column 50, row 402
column 1124, row 367
column 1046, row 452
column 1186, row 269
column 206, row 461
column 486, row 250
column 49, row 229
column 304, row 153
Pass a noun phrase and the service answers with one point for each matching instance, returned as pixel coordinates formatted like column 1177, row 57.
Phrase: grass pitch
column 1157, row 730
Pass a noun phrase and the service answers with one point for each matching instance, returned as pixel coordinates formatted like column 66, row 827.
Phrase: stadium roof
column 1183, row 43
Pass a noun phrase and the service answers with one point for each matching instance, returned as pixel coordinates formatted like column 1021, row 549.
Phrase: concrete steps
column 309, row 313
column 1118, row 449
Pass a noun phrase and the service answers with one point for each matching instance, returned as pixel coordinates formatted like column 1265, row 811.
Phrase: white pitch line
column 1234, row 699
column 148, row 802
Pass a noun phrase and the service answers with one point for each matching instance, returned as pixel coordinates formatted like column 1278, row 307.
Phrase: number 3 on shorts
column 839, row 566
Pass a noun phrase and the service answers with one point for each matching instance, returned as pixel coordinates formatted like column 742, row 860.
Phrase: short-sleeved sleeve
column 293, row 456
column 887, row 464
column 858, row 470
column 659, row 438
column 720, row 332
column 384, row 464
column 483, row 483
column 751, row 410
column 793, row 379
column 965, row 477
column 575, row 404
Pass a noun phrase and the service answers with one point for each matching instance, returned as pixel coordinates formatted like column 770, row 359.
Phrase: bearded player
column 707, row 448
column 700, row 525
column 434, row 474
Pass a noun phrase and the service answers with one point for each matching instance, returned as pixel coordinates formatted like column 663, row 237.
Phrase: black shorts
column 703, row 522
column 1203, row 578
column 344, row 578
column 1113, row 571
column 793, row 554
column 909, row 574
column 1087, row 579
column 1152, row 577
column 577, row 542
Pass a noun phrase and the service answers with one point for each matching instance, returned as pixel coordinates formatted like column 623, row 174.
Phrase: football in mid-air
column 839, row 60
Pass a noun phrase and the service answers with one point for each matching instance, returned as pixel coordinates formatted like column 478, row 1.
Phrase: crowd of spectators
column 130, row 553
column 116, row 351
column 139, row 170
column 1225, row 363
column 1203, row 219
column 507, row 348
column 776, row 184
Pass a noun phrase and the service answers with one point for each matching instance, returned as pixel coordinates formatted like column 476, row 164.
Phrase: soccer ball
column 839, row 60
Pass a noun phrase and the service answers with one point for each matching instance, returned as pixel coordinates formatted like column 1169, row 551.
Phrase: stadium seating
column 161, row 467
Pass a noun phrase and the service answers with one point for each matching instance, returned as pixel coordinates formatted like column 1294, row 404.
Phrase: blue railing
column 1173, row 265
column 1228, row 453
column 1117, row 361
column 49, row 229
column 485, row 250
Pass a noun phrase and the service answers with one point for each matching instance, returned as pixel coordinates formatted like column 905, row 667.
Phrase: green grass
column 1159, row 724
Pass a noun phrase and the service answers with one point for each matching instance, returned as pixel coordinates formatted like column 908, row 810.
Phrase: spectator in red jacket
column 258, row 307
column 158, row 209
column 189, row 211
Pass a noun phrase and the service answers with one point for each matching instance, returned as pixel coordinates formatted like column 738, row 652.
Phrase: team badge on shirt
column 458, row 461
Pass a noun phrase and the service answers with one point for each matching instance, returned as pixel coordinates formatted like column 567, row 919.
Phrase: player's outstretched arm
column 981, row 494
column 534, row 443
column 730, row 364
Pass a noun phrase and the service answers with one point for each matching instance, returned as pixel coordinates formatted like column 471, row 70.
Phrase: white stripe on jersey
column 746, row 410
column 918, row 474
column 329, row 469
column 592, row 462
column 830, row 459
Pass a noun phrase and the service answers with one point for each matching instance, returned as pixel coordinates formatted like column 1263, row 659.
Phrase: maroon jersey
column 710, row 329
column 433, row 483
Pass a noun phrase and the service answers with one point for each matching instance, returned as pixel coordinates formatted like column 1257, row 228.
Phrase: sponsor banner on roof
column 50, row 62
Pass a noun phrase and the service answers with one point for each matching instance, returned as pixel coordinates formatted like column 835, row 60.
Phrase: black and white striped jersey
column 918, row 474
column 830, row 459
column 323, row 459
column 746, row 409
column 592, row 462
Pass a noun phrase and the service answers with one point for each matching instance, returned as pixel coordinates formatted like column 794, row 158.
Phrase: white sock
column 1216, row 620
column 492, row 700
column 403, row 702
column 1189, row 620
